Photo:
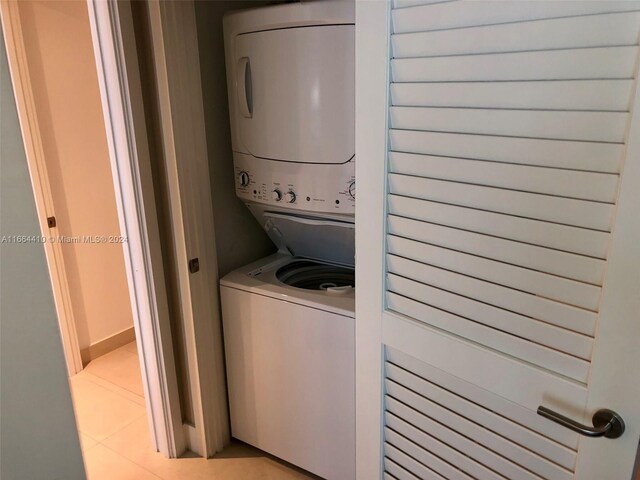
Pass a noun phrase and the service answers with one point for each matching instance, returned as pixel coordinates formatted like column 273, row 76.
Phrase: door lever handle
column 606, row 423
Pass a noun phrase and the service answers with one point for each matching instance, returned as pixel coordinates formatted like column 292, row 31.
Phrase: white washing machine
column 289, row 331
column 289, row 318
column 290, row 361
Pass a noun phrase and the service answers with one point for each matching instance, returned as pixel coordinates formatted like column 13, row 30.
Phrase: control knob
column 352, row 189
column 276, row 195
column 290, row 197
column 243, row 179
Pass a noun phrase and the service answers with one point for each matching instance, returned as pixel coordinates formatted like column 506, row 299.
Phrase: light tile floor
column 112, row 423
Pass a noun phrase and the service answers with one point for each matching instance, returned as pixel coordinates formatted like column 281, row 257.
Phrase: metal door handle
column 606, row 423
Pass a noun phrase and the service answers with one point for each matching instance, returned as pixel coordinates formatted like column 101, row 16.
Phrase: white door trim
column 616, row 355
column 29, row 125
column 177, row 67
column 372, row 84
column 118, row 76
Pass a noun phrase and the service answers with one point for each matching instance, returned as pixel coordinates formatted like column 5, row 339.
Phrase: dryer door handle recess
column 244, row 87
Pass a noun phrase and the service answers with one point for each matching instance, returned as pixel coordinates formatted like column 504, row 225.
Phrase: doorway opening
column 107, row 385
column 54, row 76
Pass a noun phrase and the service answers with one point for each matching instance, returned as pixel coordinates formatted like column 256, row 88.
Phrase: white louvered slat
column 506, row 458
column 393, row 471
column 611, row 95
column 540, row 259
column 551, row 235
column 431, row 442
column 425, row 457
column 588, row 63
column 471, row 13
column 597, row 157
column 511, row 412
column 544, row 357
column 552, row 181
column 397, row 454
column 525, row 303
column 509, row 322
column 555, row 125
column 417, row 418
column 514, row 435
column 538, row 283
column 574, row 32
column 416, row 3
column 567, row 211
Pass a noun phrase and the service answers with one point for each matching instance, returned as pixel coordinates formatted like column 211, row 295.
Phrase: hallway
column 110, row 412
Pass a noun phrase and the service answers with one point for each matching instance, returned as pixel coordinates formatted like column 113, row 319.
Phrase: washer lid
column 322, row 238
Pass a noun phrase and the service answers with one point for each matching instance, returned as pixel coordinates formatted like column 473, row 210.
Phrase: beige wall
column 63, row 73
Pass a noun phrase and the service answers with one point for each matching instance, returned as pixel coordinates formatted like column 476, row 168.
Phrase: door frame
column 176, row 59
column 111, row 28
column 27, row 114
column 372, row 100
column 117, row 66
column 120, row 89
column 177, row 65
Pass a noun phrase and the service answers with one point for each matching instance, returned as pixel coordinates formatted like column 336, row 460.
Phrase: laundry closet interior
column 278, row 104
column 497, row 146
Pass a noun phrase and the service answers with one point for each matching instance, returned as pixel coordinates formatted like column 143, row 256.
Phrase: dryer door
column 295, row 93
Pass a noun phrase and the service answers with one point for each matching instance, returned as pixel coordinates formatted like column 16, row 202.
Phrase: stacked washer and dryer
column 289, row 318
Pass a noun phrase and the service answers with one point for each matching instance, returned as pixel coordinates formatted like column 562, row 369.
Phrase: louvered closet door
column 511, row 236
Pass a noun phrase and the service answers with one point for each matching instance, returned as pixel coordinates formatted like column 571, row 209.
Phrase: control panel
column 311, row 187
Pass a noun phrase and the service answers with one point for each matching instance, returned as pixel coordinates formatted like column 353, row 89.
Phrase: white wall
column 62, row 67
column 239, row 238
column 38, row 437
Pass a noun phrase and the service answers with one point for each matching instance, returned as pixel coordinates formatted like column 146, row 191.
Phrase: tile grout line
column 116, row 390
column 119, row 391
column 120, row 430
column 128, row 459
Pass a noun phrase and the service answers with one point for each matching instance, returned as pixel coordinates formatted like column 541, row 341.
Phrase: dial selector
column 290, row 197
column 352, row 189
column 243, row 178
column 276, row 195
